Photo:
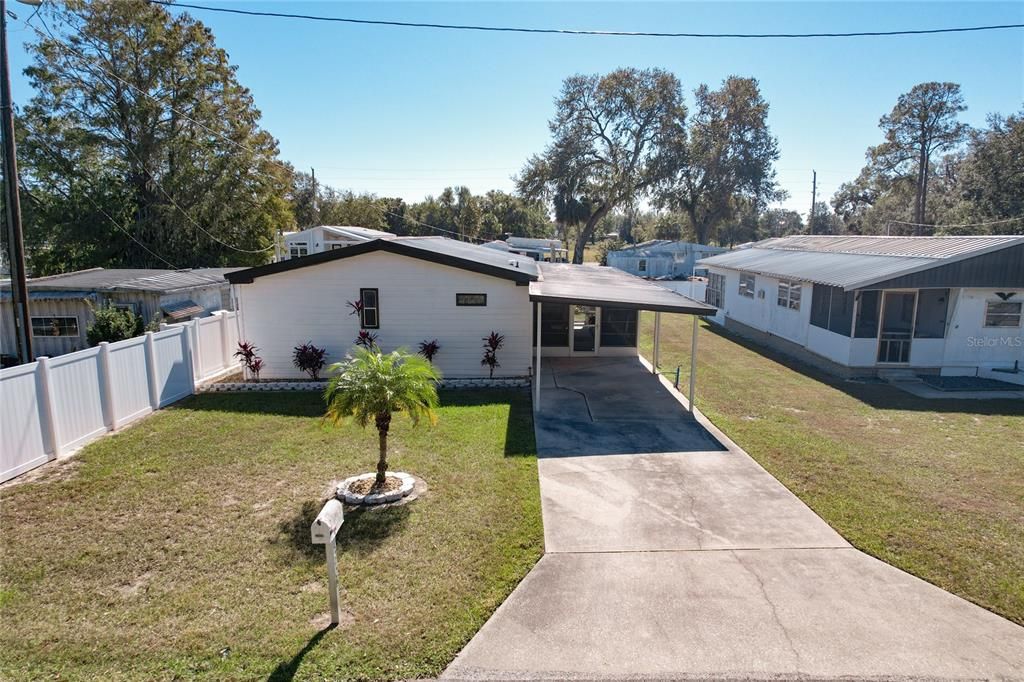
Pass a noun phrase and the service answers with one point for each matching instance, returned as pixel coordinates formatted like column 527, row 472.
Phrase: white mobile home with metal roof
column 61, row 305
column 949, row 305
column 406, row 290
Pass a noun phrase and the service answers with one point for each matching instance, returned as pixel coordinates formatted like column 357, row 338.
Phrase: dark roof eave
column 247, row 276
column 698, row 309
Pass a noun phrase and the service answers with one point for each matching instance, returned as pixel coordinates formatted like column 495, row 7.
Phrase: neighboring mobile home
column 325, row 238
column 61, row 305
column 857, row 305
column 408, row 290
column 661, row 258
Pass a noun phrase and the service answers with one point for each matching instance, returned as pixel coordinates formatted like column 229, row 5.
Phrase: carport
column 608, row 289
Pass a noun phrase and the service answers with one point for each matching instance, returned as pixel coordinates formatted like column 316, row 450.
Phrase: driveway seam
column 698, row 549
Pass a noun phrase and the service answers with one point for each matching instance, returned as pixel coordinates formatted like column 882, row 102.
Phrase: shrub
column 366, row 339
column 113, row 324
column 246, row 355
column 309, row 359
column 492, row 344
column 428, row 349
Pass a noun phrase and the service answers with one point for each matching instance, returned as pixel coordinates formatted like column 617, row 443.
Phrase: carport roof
column 611, row 287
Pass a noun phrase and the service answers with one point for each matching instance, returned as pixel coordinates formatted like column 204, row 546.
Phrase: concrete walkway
column 684, row 559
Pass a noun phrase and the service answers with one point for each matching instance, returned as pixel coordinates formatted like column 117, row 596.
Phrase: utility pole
column 316, row 206
column 12, row 204
column 814, row 200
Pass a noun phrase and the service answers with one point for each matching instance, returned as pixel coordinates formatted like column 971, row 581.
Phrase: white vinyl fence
column 53, row 406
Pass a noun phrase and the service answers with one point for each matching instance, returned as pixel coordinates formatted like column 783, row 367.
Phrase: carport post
column 657, row 342
column 693, row 364
column 536, row 370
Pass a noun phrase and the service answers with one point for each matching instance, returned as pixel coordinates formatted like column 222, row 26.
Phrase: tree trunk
column 922, row 172
column 587, row 232
column 383, row 424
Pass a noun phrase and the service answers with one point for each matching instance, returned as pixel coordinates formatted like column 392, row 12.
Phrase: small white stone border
column 343, row 494
column 245, row 387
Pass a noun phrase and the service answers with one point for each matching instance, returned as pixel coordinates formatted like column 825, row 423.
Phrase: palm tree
column 371, row 385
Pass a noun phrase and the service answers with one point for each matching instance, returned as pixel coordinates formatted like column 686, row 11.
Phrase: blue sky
column 406, row 112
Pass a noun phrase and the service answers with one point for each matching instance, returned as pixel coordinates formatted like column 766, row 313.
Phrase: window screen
column 54, row 326
column 1002, row 313
column 747, row 283
column 471, row 299
column 554, row 325
column 931, row 314
column 867, row 315
column 618, row 327
column 713, row 295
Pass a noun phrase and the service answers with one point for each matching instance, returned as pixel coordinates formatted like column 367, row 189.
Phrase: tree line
column 140, row 148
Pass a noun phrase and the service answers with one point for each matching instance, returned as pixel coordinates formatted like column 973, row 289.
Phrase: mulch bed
column 366, row 487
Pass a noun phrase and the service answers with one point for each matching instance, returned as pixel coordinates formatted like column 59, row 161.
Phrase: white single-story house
column 60, row 306
column 550, row 250
column 408, row 290
column 326, row 237
column 857, row 305
column 661, row 258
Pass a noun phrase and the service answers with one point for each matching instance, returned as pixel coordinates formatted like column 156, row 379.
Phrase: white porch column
column 693, row 363
column 536, row 368
column 657, row 342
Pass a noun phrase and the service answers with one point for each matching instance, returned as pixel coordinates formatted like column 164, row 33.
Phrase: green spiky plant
column 371, row 386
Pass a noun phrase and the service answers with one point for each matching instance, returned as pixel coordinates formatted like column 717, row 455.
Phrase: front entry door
column 584, row 329
column 897, row 329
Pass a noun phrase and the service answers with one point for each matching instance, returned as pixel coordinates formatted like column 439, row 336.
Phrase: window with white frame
column 1003, row 313
column 747, row 283
column 642, row 265
column 369, row 313
column 297, row 249
column 715, row 293
column 54, row 326
column 789, row 294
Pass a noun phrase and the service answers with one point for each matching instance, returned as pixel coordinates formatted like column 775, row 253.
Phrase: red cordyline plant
column 356, row 306
column 367, row 340
column 309, row 359
column 428, row 349
column 246, row 355
column 492, row 344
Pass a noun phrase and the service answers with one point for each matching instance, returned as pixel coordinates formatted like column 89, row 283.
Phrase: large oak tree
column 607, row 135
column 139, row 116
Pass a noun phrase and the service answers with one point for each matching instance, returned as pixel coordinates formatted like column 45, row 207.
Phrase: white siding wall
column 417, row 303
column 970, row 345
column 764, row 313
column 835, row 347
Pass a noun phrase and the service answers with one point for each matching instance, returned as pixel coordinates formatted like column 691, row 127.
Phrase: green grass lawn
column 180, row 549
column 935, row 487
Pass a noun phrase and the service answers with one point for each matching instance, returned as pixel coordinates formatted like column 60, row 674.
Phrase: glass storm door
column 897, row 328
column 584, row 328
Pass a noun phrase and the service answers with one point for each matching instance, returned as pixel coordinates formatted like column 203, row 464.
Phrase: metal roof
column 487, row 261
column 354, row 232
column 853, row 262
column 131, row 279
column 611, row 287
column 664, row 247
column 181, row 309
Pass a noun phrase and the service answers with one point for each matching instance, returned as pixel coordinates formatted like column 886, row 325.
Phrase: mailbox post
column 324, row 531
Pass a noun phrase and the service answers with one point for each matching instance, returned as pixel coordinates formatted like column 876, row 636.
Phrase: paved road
column 671, row 554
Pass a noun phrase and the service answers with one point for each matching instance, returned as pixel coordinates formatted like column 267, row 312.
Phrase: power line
column 217, row 133
column 579, row 32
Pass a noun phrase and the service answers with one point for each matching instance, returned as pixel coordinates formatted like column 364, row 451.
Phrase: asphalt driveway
column 670, row 553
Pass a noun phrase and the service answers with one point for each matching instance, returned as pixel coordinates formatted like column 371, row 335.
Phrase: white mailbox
column 328, row 522
column 324, row 531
